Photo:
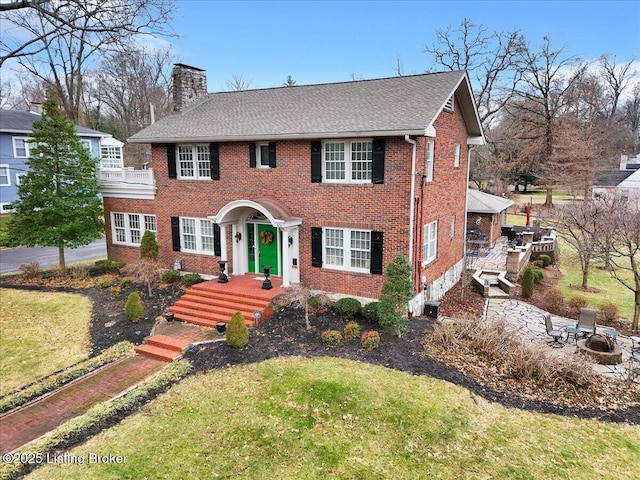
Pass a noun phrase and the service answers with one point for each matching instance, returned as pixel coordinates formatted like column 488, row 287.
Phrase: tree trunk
column 548, row 201
column 61, row 262
column 585, row 278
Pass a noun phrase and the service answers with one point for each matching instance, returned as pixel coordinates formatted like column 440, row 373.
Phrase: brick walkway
column 26, row 424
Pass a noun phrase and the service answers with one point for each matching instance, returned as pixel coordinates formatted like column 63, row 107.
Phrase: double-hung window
column 347, row 249
column 430, row 241
column 263, row 155
column 128, row 228
column 428, row 167
column 348, row 161
column 21, row 147
column 86, row 144
column 194, row 162
column 5, row 179
column 196, row 235
column 456, row 155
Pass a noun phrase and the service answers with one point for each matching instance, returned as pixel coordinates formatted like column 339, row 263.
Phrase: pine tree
column 58, row 203
column 149, row 246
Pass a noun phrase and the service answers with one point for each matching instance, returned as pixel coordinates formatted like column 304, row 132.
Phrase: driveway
column 12, row 258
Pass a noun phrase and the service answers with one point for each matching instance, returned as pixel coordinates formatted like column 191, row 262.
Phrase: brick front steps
column 163, row 347
column 209, row 302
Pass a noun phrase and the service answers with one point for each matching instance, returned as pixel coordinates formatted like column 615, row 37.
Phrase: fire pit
column 601, row 349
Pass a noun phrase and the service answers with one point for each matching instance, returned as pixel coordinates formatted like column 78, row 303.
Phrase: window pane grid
column 188, row 233
column 206, row 233
column 120, row 232
column 334, row 161
column 111, row 156
column 360, row 249
column 361, row 160
column 185, row 161
column 4, row 176
column 150, row 223
column 204, row 164
column 334, row 251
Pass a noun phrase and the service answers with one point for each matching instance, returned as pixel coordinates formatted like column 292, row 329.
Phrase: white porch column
column 286, row 259
column 223, row 242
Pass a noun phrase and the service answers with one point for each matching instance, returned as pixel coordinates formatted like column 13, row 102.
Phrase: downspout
column 466, row 202
column 413, row 190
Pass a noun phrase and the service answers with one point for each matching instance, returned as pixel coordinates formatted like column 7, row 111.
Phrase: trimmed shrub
column 348, row 307
column 370, row 340
column 351, row 331
column 577, row 302
column 609, row 311
column 538, row 275
column 370, row 311
column 391, row 318
column 331, row 338
column 237, row 331
column 133, row 308
column 538, row 263
column 546, row 260
column 149, row 246
column 554, row 300
column 190, row 279
column 108, row 266
column 104, row 283
column 126, row 283
column 528, row 279
column 171, row 276
column 318, row 303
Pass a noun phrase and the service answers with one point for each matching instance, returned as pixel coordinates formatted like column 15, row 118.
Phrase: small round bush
column 237, row 331
column 528, row 279
column 538, row 275
column 133, row 308
column 171, row 276
column 370, row 340
column 538, row 263
column 126, row 283
column 104, row 283
column 348, row 307
column 577, row 302
column 609, row 311
column 190, row 279
column 331, row 338
column 554, row 300
column 370, row 311
column 108, row 266
column 351, row 331
column 546, row 260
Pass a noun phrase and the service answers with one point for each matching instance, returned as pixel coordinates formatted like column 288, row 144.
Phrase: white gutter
column 413, row 190
column 466, row 203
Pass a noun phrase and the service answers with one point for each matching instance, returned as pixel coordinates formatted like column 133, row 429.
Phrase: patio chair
column 587, row 321
column 556, row 334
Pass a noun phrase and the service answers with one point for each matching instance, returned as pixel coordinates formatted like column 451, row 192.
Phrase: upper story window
column 430, row 242
column 428, row 174
column 111, row 156
column 21, row 147
column 262, row 152
column 456, row 155
column 349, row 161
column 127, row 228
column 5, row 179
column 20, row 177
column 194, row 162
column 87, row 145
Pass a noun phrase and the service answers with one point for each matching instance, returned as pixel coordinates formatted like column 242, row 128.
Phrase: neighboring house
column 624, row 182
column 324, row 183
column 15, row 129
column 487, row 213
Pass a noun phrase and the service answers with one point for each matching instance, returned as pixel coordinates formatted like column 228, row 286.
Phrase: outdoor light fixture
column 290, row 240
column 238, row 237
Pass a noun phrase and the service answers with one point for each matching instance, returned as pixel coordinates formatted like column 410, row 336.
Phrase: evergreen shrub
column 133, row 308
column 237, row 331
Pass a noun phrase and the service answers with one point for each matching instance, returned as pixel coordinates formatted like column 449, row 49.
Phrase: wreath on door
column 266, row 238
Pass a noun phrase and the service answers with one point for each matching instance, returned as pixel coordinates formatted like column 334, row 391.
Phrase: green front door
column 263, row 247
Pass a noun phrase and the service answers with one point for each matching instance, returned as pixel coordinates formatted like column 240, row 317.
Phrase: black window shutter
column 175, row 233
column 217, row 250
column 272, row 154
column 171, row 160
column 252, row 155
column 377, row 167
column 376, row 253
column 214, row 160
column 316, row 162
column 316, row 246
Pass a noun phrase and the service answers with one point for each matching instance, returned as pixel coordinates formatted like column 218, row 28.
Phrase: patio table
column 572, row 331
column 611, row 334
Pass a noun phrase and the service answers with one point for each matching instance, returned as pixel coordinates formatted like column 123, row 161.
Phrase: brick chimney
column 189, row 85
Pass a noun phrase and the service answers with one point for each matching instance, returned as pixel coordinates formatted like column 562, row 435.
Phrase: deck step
column 159, row 353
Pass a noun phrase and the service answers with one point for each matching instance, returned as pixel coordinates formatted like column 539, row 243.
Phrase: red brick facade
column 377, row 207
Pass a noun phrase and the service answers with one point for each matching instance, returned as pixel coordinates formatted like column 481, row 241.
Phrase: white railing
column 127, row 176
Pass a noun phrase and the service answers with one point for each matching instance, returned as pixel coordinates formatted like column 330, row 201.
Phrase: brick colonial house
column 324, row 183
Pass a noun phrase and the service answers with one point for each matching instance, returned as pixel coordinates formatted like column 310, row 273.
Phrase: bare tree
column 237, row 83
column 64, row 38
column 542, row 97
column 618, row 78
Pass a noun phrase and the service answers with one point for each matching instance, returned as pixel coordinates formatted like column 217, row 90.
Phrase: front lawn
column 40, row 333
column 319, row 418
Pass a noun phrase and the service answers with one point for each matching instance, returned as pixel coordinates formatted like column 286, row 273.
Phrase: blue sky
column 329, row 41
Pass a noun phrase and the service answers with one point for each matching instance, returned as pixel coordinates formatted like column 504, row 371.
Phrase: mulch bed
column 285, row 334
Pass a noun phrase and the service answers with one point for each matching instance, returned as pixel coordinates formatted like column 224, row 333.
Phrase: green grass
column 610, row 290
column 40, row 333
column 327, row 418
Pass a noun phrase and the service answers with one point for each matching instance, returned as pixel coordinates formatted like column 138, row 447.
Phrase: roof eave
column 285, row 136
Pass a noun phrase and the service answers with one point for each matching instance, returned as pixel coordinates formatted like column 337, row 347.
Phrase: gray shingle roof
column 389, row 105
column 610, row 178
column 480, row 202
column 19, row 121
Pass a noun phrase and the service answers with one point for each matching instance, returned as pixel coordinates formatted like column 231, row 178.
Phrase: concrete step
column 159, row 353
column 168, row 343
